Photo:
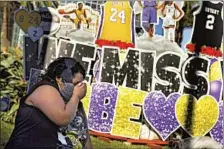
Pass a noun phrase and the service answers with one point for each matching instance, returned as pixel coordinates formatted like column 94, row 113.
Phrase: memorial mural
column 150, row 82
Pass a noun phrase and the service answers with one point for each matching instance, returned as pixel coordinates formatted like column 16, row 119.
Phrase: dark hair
column 80, row 3
column 167, row 2
column 58, row 66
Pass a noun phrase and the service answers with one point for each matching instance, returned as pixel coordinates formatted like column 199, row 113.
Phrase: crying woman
column 52, row 108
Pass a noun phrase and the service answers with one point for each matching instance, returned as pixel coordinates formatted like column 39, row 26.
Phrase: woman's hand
column 174, row 17
column 80, row 90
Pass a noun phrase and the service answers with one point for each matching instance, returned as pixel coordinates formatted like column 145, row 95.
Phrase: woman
column 49, row 105
column 169, row 21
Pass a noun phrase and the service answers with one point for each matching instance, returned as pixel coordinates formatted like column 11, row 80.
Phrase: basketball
column 61, row 11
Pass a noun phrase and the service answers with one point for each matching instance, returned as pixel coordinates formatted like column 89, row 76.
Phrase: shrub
column 12, row 83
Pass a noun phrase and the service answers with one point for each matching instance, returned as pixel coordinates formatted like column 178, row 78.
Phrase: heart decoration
column 204, row 114
column 35, row 33
column 159, row 111
column 217, row 131
column 27, row 19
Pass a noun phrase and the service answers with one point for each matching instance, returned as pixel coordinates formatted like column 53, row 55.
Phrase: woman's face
column 78, row 77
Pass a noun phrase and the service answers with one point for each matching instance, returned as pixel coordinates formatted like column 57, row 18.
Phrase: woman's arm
column 180, row 11
column 161, row 5
column 49, row 101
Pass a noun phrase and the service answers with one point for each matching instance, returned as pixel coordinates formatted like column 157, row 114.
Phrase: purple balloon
column 217, row 131
column 102, row 107
column 216, row 89
column 159, row 111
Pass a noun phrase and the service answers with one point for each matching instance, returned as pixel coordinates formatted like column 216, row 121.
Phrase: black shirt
column 33, row 129
column 208, row 26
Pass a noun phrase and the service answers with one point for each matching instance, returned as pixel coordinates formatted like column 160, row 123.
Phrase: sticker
column 207, row 32
column 35, row 33
column 26, row 19
column 171, row 13
column 119, row 16
column 79, row 22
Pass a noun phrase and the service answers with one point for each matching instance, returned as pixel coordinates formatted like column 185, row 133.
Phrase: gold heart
column 204, row 115
column 27, row 19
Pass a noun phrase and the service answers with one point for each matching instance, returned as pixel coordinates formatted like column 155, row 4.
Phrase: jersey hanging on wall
column 117, row 22
column 208, row 26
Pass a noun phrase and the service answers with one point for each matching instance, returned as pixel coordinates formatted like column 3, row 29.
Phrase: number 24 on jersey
column 119, row 14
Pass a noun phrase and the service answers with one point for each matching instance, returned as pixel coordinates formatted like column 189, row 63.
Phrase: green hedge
column 12, row 84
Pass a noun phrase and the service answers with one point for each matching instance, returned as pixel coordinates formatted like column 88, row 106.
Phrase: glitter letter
column 85, row 53
column 102, row 106
column 147, row 61
column 167, row 73
column 195, row 76
column 114, row 72
column 127, row 113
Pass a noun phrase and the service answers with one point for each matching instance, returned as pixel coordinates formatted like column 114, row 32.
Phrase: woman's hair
column 62, row 65
column 167, row 2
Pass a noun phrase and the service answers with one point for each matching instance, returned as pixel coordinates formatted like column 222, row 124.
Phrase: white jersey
column 170, row 10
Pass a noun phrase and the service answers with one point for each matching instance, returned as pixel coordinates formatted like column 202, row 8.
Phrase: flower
column 209, row 51
column 205, row 50
column 130, row 45
column 219, row 53
column 190, row 47
column 118, row 43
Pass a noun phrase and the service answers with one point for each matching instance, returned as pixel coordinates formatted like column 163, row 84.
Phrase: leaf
column 14, row 77
column 7, row 62
column 13, row 82
column 12, row 72
column 13, row 109
column 6, row 92
column 11, row 85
